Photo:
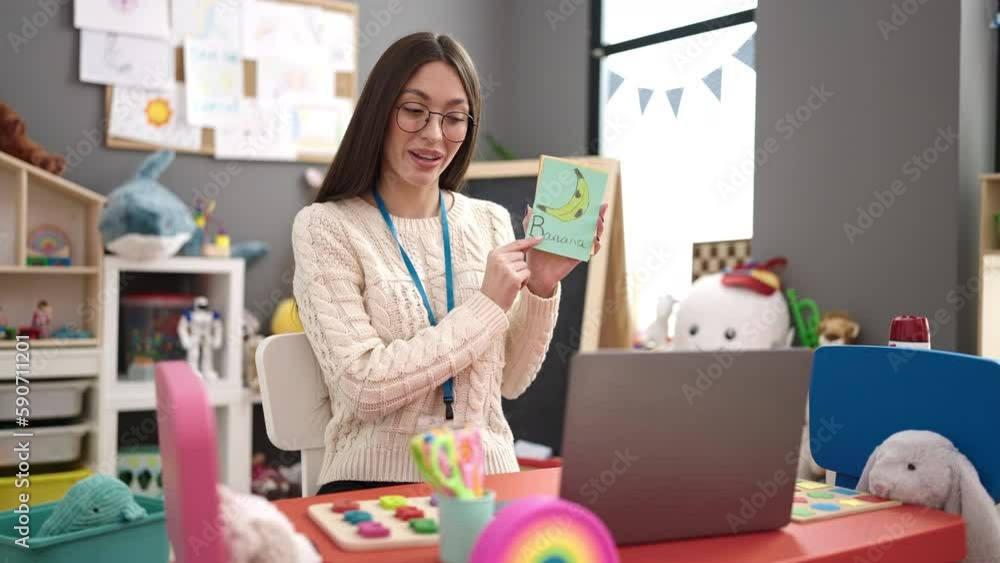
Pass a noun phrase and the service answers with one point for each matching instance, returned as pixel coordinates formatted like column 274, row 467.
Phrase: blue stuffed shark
column 143, row 220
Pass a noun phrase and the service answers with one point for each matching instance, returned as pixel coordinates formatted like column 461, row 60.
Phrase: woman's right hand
column 507, row 271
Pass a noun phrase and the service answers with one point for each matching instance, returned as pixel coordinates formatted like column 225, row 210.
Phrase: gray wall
column 892, row 91
column 548, row 56
column 260, row 201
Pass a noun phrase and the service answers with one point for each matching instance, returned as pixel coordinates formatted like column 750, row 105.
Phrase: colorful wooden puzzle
column 820, row 501
column 391, row 522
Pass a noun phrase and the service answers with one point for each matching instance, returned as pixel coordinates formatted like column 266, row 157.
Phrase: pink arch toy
column 189, row 457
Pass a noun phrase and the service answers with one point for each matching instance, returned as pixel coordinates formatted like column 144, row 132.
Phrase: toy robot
column 200, row 332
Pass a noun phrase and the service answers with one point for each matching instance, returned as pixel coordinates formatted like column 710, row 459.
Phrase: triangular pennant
column 675, row 98
column 614, row 81
column 644, row 95
column 714, row 82
column 747, row 52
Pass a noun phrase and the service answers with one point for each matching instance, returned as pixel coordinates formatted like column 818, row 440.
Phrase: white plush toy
column 925, row 468
column 257, row 532
column 742, row 309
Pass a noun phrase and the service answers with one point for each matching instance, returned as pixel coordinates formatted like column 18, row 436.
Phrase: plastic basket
column 44, row 487
column 144, row 540
column 49, row 399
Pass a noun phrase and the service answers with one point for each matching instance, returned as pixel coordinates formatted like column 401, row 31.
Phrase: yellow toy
column 286, row 318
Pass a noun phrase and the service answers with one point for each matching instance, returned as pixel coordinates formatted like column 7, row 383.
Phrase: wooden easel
column 607, row 319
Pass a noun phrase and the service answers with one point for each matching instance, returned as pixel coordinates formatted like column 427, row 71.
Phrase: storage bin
column 144, row 540
column 44, row 487
column 148, row 332
column 47, row 363
column 49, row 444
column 47, row 400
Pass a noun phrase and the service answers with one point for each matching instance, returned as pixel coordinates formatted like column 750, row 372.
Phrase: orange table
column 896, row 535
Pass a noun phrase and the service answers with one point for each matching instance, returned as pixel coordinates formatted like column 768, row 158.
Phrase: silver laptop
column 671, row 445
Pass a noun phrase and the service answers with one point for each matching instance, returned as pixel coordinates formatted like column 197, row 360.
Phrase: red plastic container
column 910, row 331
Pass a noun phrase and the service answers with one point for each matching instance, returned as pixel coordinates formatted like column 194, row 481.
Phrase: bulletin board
column 346, row 86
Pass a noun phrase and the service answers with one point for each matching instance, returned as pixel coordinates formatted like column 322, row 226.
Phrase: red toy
column 267, row 481
column 910, row 331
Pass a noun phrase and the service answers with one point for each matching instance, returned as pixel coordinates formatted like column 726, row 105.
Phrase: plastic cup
column 461, row 523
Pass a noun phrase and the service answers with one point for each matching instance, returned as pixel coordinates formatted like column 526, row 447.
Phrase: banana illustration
column 577, row 204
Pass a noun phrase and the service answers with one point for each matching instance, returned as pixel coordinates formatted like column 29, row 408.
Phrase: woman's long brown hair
column 358, row 161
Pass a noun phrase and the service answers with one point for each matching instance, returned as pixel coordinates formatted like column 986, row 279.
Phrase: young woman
column 421, row 307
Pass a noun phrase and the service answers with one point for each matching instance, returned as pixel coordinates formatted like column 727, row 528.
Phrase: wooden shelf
column 51, row 270
column 51, row 343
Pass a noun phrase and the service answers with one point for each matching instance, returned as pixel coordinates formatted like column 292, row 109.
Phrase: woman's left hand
column 548, row 269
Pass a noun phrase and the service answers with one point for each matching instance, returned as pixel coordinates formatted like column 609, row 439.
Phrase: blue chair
column 861, row 395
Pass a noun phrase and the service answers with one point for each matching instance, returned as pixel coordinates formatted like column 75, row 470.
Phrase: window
column 675, row 94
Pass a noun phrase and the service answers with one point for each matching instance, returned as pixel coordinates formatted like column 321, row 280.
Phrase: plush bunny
column 257, row 532
column 925, row 468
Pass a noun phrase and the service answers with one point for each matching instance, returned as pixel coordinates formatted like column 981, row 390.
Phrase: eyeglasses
column 413, row 116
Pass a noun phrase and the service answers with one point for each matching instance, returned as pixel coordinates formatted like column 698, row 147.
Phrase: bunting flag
column 644, row 95
column 714, row 82
column 747, row 52
column 674, row 96
column 614, row 81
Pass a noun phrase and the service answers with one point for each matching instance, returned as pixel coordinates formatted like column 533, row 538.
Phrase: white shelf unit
column 222, row 281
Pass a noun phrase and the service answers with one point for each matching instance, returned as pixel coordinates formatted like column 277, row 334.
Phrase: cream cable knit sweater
column 383, row 363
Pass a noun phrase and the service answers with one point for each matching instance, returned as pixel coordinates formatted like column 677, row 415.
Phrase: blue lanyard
column 449, row 395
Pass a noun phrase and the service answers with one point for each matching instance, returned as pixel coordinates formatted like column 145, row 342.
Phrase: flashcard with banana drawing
column 568, row 200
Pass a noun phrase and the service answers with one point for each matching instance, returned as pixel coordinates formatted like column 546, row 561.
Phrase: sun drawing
column 158, row 112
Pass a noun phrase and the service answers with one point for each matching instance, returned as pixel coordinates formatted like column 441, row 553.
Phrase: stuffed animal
column 257, row 532
column 657, row 334
column 740, row 309
column 837, row 328
column 15, row 142
column 144, row 220
column 95, row 501
column 925, row 468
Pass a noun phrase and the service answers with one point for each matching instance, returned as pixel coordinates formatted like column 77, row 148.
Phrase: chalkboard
column 537, row 415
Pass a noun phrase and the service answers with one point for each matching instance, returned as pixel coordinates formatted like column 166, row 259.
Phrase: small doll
column 42, row 318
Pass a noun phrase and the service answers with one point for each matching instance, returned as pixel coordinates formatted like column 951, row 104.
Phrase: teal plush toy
column 95, row 501
column 143, row 219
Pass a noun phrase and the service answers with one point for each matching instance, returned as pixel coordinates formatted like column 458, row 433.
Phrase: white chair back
column 295, row 400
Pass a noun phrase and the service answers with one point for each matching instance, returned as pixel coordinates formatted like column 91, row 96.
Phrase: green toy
column 807, row 327
column 95, row 501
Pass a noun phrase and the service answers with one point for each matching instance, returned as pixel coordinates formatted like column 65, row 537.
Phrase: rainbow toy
column 545, row 530
column 451, row 461
column 48, row 245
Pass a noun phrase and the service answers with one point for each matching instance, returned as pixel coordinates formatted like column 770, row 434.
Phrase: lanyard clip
column 448, row 413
